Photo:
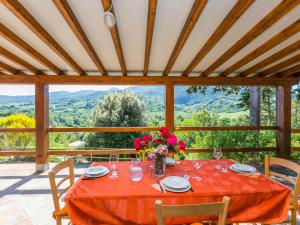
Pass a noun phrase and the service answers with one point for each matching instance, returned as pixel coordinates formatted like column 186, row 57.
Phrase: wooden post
column 283, row 120
column 169, row 110
column 255, row 105
column 42, row 124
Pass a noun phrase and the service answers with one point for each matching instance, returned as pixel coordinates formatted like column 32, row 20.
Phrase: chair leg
column 58, row 220
column 293, row 217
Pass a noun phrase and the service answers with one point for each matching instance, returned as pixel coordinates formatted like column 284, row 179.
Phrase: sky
column 15, row 90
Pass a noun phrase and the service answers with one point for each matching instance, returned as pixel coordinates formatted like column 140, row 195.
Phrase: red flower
column 157, row 140
column 164, row 132
column 137, row 143
column 172, row 139
column 181, row 145
column 147, row 138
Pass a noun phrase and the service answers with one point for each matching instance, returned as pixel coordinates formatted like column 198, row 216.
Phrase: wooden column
column 169, row 110
column 255, row 105
column 42, row 124
column 283, row 119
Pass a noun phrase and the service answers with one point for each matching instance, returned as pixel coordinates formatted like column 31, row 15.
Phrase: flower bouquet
column 157, row 149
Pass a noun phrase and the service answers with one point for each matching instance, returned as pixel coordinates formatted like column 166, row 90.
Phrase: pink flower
column 157, row 140
column 137, row 143
column 164, row 132
column 181, row 145
column 172, row 139
column 147, row 138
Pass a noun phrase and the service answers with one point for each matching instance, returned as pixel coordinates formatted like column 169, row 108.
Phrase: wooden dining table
column 122, row 201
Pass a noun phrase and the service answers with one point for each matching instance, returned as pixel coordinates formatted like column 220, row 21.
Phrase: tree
column 17, row 140
column 117, row 110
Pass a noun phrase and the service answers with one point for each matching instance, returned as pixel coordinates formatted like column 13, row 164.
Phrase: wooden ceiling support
column 271, row 43
column 10, row 68
column 20, row 12
column 69, row 16
column 289, row 71
column 271, row 59
column 190, row 22
column 116, row 37
column 14, row 39
column 16, row 59
column 277, row 13
column 280, row 66
column 152, row 4
column 236, row 12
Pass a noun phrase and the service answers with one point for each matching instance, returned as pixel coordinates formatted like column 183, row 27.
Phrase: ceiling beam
column 19, row 11
column 289, row 71
column 69, row 16
column 10, row 69
column 149, row 80
column 280, row 66
column 115, row 36
column 236, row 12
column 190, row 22
column 271, row 18
column 271, row 59
column 271, row 43
column 14, row 39
column 152, row 4
column 12, row 57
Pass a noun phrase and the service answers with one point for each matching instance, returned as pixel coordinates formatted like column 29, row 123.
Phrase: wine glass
column 113, row 164
column 197, row 165
column 217, row 155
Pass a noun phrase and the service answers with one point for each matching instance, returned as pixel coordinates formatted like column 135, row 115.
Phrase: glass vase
column 159, row 165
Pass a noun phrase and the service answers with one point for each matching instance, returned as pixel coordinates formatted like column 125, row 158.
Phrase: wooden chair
column 295, row 182
column 207, row 209
column 61, row 212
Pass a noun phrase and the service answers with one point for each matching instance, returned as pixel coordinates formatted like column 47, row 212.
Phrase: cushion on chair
column 63, row 212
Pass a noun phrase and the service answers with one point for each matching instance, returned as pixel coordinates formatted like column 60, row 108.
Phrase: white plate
column 239, row 171
column 244, row 168
column 175, row 182
column 95, row 170
column 176, row 190
column 170, row 161
column 97, row 175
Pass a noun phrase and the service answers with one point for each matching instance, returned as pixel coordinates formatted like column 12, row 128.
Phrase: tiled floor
column 25, row 196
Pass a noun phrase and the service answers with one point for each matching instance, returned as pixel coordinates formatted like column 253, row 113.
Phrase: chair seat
column 62, row 213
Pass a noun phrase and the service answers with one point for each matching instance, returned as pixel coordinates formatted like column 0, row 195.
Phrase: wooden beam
column 280, row 66
column 169, row 108
column 66, row 11
column 17, row 153
column 14, row 39
column 149, row 80
column 115, row 37
column 42, row 125
column 19, row 11
column 296, row 131
column 283, row 119
column 236, row 12
column 152, row 4
column 271, row 18
column 289, row 71
column 15, row 59
column 190, row 22
column 218, row 128
column 271, row 59
column 271, row 43
column 103, row 129
column 10, row 68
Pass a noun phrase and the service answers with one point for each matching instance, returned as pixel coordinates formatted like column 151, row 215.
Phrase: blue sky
column 14, row 90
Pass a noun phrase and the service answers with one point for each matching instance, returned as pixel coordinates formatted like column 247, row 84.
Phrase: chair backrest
column 207, row 209
column 287, row 164
column 56, row 193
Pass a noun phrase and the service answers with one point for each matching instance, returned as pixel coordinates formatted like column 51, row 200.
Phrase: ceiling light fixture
column 109, row 18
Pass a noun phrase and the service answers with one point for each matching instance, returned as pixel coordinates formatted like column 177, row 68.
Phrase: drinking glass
column 136, row 171
column 186, row 171
column 217, row 155
column 113, row 164
column 223, row 167
column 197, row 165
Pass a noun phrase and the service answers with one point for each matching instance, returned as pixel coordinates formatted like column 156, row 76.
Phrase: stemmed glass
column 217, row 155
column 113, row 164
column 197, row 165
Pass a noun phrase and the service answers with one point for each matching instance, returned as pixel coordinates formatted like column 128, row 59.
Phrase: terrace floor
column 25, row 196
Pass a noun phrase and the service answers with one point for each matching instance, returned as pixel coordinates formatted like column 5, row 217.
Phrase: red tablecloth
column 122, row 201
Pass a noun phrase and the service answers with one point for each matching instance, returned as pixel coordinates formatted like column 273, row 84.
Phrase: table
column 122, row 201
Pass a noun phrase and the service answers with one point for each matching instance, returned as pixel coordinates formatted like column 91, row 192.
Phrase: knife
column 88, row 178
column 192, row 190
column 161, row 189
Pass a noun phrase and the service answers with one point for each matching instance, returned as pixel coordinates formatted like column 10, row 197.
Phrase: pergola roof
column 153, row 38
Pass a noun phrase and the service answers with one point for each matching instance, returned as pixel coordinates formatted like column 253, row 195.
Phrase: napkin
column 156, row 187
